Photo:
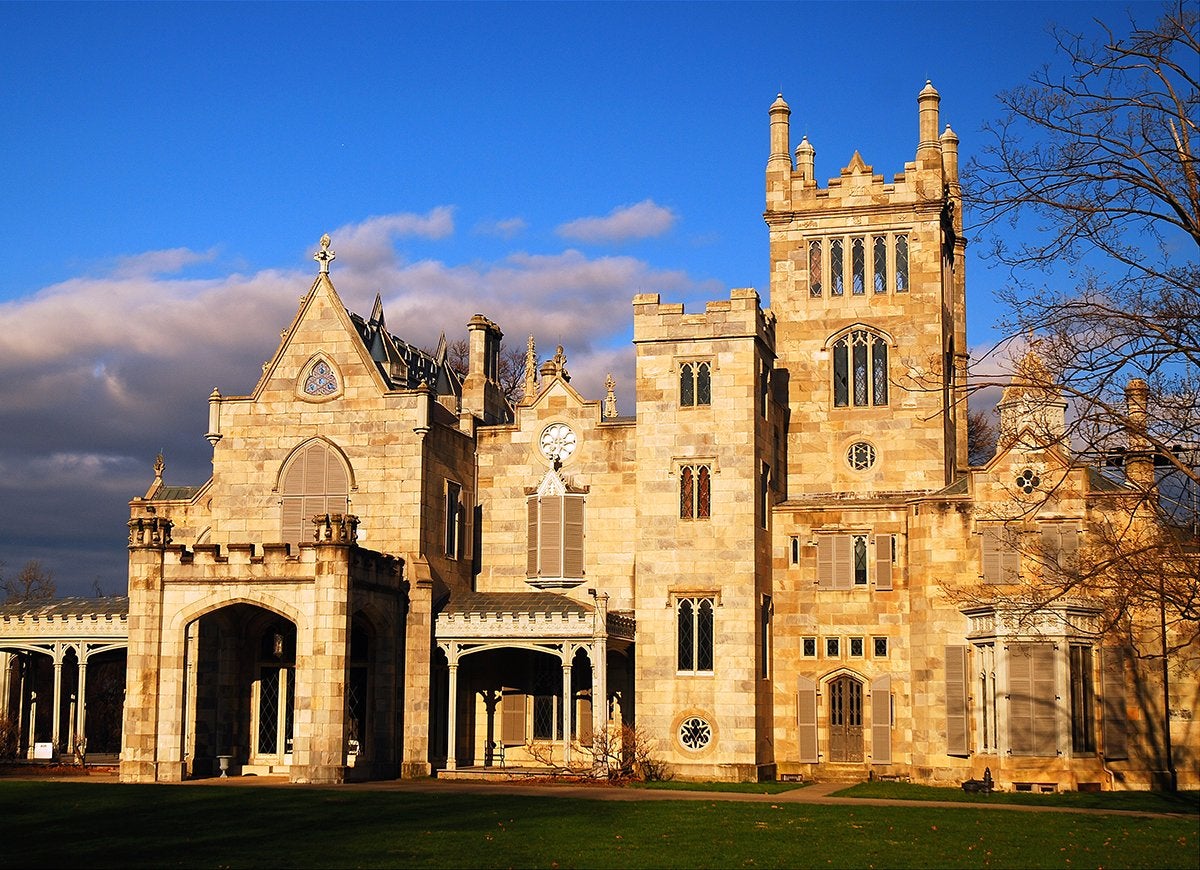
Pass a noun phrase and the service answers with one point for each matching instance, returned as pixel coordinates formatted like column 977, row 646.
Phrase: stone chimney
column 481, row 393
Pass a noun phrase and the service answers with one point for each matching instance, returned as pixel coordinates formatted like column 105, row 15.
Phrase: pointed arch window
column 695, row 383
column 860, row 370
column 901, row 264
column 695, row 492
column 880, row 261
column 858, row 266
column 695, row 635
column 316, row 481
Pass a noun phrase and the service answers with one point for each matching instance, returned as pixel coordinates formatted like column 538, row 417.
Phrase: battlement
column 739, row 316
column 274, row 563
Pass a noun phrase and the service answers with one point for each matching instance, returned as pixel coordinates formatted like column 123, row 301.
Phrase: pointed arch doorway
column 845, row 720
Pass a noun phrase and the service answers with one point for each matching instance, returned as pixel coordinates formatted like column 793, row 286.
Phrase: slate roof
column 515, row 602
column 109, row 605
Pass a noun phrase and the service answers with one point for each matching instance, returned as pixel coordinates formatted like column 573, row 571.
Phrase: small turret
column 780, row 135
column 929, row 149
column 1032, row 403
column 806, row 160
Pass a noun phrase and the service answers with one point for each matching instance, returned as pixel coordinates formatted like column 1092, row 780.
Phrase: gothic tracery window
column 860, row 370
column 694, row 634
column 321, row 380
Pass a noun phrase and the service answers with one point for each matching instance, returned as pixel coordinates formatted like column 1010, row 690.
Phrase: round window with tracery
column 695, row 733
column 1028, row 481
column 861, row 456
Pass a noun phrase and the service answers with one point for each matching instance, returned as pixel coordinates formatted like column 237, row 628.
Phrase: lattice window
column 858, row 266
column 694, row 634
column 860, row 456
column 837, row 265
column 695, row 384
column 695, row 492
column 815, row 285
column 879, row 247
column 860, row 370
column 901, row 264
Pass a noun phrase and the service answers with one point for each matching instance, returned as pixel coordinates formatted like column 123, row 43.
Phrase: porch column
column 566, row 705
column 452, row 713
column 56, row 710
column 80, row 742
column 32, row 724
column 601, row 738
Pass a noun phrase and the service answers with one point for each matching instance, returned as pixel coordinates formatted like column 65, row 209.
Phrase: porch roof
column 514, row 614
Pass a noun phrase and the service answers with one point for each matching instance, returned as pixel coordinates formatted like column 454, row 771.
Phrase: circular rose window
column 695, row 733
column 861, row 456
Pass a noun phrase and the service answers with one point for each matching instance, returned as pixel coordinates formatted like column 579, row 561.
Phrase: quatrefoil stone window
column 321, row 380
column 694, row 733
column 1028, row 481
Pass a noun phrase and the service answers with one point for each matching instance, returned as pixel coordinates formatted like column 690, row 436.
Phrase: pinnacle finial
column 325, row 256
column 610, row 399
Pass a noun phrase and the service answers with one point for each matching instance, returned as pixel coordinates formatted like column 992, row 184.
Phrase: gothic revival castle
column 392, row 571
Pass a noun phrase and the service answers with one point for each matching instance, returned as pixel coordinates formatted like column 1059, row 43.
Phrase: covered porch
column 531, row 683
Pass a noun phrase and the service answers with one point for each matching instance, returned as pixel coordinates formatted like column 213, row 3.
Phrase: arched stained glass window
column 321, row 380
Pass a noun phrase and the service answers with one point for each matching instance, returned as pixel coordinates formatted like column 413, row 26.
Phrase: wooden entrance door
column 845, row 720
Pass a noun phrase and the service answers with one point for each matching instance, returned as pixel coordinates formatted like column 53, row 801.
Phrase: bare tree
column 1096, row 168
column 32, row 583
column 981, row 437
column 511, row 373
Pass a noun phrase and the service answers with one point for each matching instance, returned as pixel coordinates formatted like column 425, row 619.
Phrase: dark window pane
column 841, row 374
column 702, row 494
column 687, row 385
column 879, row 386
column 860, row 560
column 704, row 635
column 880, row 257
column 687, row 635
column 858, row 265
column 686, row 497
column 901, row 264
column 860, row 370
column 836, row 268
column 703, row 384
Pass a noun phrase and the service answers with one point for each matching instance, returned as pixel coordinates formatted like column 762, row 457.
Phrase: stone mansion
column 394, row 571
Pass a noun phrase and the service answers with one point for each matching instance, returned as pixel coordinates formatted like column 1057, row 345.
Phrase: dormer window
column 555, row 535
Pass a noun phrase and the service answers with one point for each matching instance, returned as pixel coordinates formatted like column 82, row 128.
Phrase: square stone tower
column 867, row 284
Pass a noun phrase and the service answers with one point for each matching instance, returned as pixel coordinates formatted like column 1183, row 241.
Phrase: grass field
column 1138, row 801
column 72, row 824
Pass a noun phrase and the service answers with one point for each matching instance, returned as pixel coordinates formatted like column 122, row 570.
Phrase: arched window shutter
column 883, row 561
column 316, row 482
column 551, row 536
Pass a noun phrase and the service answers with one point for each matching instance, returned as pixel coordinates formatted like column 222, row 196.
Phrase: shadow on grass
column 100, row 825
column 1141, row 801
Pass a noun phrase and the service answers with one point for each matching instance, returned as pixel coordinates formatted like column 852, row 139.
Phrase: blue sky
column 169, row 168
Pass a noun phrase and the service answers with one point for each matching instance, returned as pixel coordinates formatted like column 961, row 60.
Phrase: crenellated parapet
column 149, row 532
column 739, row 316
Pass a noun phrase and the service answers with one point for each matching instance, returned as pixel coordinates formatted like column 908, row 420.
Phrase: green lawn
column 56, row 824
column 740, row 787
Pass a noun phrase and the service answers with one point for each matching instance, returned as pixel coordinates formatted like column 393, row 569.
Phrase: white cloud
column 508, row 228
column 639, row 221
column 103, row 371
